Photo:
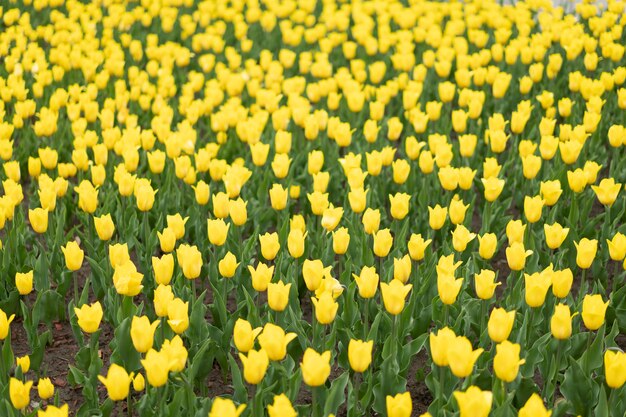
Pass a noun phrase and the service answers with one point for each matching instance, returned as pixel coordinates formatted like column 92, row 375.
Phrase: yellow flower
column 295, row 243
column 139, row 383
column 516, row 256
column 367, row 282
column 331, row 217
column 561, row 322
column 177, row 224
column 457, row 210
column 142, row 333
column 163, row 268
column 313, row 271
column 493, row 188
column 89, row 317
column 550, row 192
column 536, row 288
column 485, row 284
column 190, row 260
column 217, row 231
column 562, row 282
column 269, row 245
column 555, row 235
column 360, row 354
column 341, row 240
column 461, row 236
column 383, row 241
column 254, row 365
column 163, row 295
column 474, row 402
column 45, row 389
column 244, row 335
column 227, row 266
column 274, row 341
column 117, row 382
column 399, row 205
column 24, row 282
column 261, row 276
column 325, row 307
column 278, row 295
column 23, row 362
column 19, row 393
column 439, row 344
column 281, row 407
column 394, row 295
column 487, row 245
column 178, row 315
column 417, row 246
column 448, row 288
column 74, row 255
column 506, row 363
column 534, row 408
column 127, row 280
column 532, row 208
column 594, row 310
column 399, row 405
column 155, row 364
column 462, row 357
column 615, row 368
column 607, row 191
column 586, row 252
column 224, row 407
column 315, row 367
column 617, row 247
column 38, row 220
column 500, row 324
column 371, row 221
column 278, row 197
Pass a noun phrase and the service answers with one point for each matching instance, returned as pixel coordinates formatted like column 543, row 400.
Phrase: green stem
column 588, row 352
column 366, row 319
column 559, row 352
column 442, row 377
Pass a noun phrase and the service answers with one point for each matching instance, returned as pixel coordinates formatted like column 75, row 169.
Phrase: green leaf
column 579, row 389
column 336, row 394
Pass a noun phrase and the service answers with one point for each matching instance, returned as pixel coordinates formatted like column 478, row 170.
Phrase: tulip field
column 222, row 208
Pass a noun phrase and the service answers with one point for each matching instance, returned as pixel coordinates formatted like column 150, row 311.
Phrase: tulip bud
column 142, row 333
column 24, row 282
column 269, row 245
column 506, row 363
column 360, row 354
column 45, row 389
column 561, row 322
column 383, row 241
column 315, row 367
column 615, row 368
column 594, row 310
column 586, row 252
column 500, row 324
column 278, row 295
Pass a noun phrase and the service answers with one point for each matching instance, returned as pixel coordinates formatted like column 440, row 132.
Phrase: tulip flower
column 586, row 252
column 104, row 227
column 383, row 241
column 225, row 407
column 594, row 310
column 562, row 282
column 534, row 407
column 178, row 315
column 555, row 235
column 487, row 245
column 190, row 260
column 19, row 393
column 516, row 256
column 315, row 367
column 439, row 344
column 493, row 188
column 399, row 205
column 163, row 295
column 167, row 240
column 269, row 245
column 536, row 288
column 461, row 357
column 607, row 191
column 341, row 240
column 23, row 362
column 461, row 236
column 367, row 282
column 561, row 322
column 417, row 247
column 400, row 405
column 117, row 382
column 506, row 363
column 485, row 284
column 371, row 221
column 274, row 341
column 142, row 333
column 127, row 280
column 448, row 288
column 278, row 295
column 139, row 383
column 325, row 308
column 474, row 402
column 24, row 282
column 244, row 335
column 163, row 268
column 45, row 388
column 281, row 407
column 254, row 366
column 155, row 365
column 38, row 219
column 295, row 243
column 227, row 266
column 217, row 231
column 360, row 354
column 394, row 295
column 89, row 317
column 313, row 271
column 615, row 368
column 261, row 276
column 500, row 324
column 437, row 216
column 617, row 247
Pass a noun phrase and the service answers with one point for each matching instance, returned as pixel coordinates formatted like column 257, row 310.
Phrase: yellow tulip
column 506, row 363
column 439, row 344
column 89, row 317
column 594, row 310
column 474, row 402
column 462, row 357
column 315, row 367
column 586, row 250
column 399, row 405
column 394, row 295
column 360, row 354
column 19, row 393
column 534, row 407
column 254, row 366
column 24, row 282
column 117, row 382
column 278, row 295
column 615, row 368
